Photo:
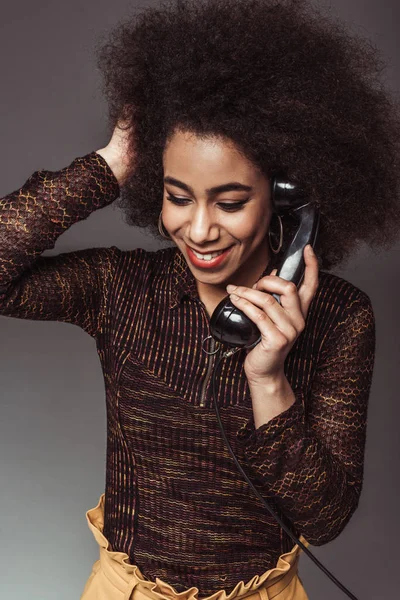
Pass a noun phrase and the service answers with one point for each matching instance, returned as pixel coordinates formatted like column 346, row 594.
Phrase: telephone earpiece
column 286, row 196
column 230, row 325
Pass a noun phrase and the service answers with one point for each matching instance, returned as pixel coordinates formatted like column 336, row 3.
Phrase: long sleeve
column 69, row 287
column 310, row 457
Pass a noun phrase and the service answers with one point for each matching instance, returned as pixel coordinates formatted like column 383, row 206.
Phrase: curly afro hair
column 297, row 93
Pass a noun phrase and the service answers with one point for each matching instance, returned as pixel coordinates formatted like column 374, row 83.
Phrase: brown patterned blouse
column 174, row 499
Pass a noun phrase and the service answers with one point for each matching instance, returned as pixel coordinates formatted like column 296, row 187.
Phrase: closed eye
column 229, row 206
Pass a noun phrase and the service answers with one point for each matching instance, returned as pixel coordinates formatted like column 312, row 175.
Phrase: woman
column 213, row 99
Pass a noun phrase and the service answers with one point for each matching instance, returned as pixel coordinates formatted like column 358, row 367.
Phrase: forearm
column 310, row 458
column 312, row 488
column 33, row 217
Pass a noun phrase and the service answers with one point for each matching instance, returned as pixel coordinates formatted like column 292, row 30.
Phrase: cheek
column 254, row 226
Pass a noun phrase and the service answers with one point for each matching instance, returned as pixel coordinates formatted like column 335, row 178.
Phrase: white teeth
column 207, row 256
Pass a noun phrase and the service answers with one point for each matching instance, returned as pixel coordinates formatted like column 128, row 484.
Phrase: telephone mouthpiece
column 231, row 326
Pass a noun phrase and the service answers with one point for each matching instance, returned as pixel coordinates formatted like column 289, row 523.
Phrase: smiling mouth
column 208, row 261
column 216, row 252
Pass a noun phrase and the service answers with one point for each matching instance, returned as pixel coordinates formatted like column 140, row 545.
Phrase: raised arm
column 310, row 457
column 72, row 286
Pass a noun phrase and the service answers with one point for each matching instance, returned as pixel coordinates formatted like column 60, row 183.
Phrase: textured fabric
column 114, row 578
column 174, row 501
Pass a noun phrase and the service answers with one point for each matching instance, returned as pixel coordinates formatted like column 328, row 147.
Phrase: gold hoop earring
column 278, row 249
column 161, row 228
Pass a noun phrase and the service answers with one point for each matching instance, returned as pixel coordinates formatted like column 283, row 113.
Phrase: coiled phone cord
column 292, row 536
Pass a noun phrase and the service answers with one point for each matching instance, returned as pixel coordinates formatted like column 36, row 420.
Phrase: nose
column 202, row 226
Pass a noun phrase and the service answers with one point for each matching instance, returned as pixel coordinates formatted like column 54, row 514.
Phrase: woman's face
column 215, row 199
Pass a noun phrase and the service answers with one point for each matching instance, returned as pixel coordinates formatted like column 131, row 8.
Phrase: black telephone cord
column 284, row 527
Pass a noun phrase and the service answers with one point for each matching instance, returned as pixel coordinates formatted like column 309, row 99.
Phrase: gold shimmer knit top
column 174, row 500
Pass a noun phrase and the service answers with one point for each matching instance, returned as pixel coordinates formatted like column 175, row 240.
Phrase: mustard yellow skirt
column 114, row 578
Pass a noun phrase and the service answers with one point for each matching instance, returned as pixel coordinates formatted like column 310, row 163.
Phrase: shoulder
column 151, row 261
column 338, row 302
column 338, row 294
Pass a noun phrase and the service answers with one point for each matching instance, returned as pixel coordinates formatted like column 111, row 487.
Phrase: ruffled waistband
column 120, row 572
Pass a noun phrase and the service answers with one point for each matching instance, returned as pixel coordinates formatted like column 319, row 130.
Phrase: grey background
column 52, row 426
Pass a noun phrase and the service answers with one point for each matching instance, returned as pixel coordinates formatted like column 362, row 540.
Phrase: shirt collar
column 183, row 282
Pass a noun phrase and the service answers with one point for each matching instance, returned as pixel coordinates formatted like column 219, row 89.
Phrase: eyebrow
column 233, row 186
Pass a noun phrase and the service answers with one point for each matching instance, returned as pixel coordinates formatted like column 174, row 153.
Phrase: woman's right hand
column 118, row 153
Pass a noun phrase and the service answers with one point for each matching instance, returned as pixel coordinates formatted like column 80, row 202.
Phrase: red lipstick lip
column 207, row 265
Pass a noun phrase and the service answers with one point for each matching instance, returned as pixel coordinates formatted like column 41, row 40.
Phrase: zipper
column 212, row 359
column 208, row 374
column 210, row 363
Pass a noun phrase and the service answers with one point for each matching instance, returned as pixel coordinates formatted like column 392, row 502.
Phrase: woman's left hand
column 279, row 324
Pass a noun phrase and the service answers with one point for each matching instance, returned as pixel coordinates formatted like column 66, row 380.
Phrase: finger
column 310, row 282
column 286, row 290
column 289, row 322
column 274, row 272
column 271, row 334
column 274, row 284
column 308, row 287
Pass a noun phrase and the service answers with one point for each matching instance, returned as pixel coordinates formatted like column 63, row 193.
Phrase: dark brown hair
column 294, row 89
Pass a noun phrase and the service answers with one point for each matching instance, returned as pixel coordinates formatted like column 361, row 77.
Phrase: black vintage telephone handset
column 231, row 326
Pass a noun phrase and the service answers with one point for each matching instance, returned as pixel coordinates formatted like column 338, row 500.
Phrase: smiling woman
column 202, row 127
column 305, row 102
